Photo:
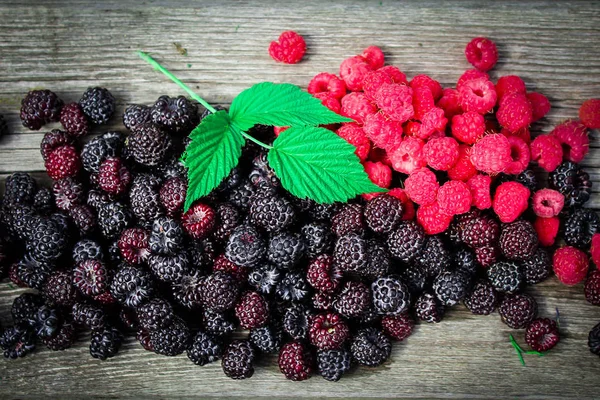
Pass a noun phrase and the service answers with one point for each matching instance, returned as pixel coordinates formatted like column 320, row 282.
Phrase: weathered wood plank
column 68, row 46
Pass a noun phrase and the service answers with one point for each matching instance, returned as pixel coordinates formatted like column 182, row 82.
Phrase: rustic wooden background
column 68, row 46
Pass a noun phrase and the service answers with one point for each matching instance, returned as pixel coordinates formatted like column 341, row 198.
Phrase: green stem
column 146, row 57
column 258, row 142
column 518, row 349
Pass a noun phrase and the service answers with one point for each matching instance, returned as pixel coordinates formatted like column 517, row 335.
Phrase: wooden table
column 68, row 46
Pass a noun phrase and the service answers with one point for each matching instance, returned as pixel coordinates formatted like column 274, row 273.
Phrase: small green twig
column 517, row 348
column 146, row 57
column 258, row 142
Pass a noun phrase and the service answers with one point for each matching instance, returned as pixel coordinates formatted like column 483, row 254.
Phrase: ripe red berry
column 480, row 191
column 574, row 139
column 199, row 221
column 441, row 153
column 62, row 162
column 491, row 154
column 323, row 274
column 398, row 327
column 542, row 334
column 540, row 105
column 510, row 201
column 454, row 197
column 547, row 151
column 515, row 112
column 289, row 49
column 478, row 95
column 396, row 101
column 353, row 71
column 113, row 176
column 510, row 84
column 432, row 219
column 595, row 249
column 482, row 53
column 408, row 156
column 355, row 105
column 546, row 229
column 328, row 331
column 570, row 265
column 355, row 135
column 589, row 113
column 327, row 83
column 422, row 186
column 548, row 203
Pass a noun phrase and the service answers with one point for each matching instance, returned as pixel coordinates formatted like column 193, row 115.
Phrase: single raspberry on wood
column 328, row 331
column 542, row 334
column 570, row 265
column 589, row 113
column 482, row 53
column 289, row 48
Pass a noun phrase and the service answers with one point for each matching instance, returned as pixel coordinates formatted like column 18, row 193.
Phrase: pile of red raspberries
column 251, row 270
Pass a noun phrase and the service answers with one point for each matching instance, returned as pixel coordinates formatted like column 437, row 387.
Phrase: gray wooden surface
column 68, row 46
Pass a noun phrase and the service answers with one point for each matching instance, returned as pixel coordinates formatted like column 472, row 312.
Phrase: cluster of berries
column 461, row 162
column 110, row 249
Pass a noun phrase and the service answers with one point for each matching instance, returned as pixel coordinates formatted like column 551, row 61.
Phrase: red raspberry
column 573, row 137
column 113, row 176
column 589, row 113
column 358, row 107
column 354, row 134
column 491, row 154
column 222, row 263
column 396, row 101
column 524, row 134
column 62, row 162
column 323, row 274
column 420, row 81
column 327, row 83
column 540, row 104
column 450, row 103
column 432, row 219
column 411, row 128
column 454, row 197
column 408, row 157
column 548, row 203
column 482, row 53
column 398, row 327
column 373, row 81
column 353, row 71
column 592, row 288
column 471, row 74
column 198, row 221
column 542, row 334
column 289, row 50
column 374, row 56
column 379, row 155
column 510, row 201
column 547, row 151
column 384, row 132
column 54, row 139
column 394, row 73
column 570, row 265
column 133, row 245
column 480, row 191
column 520, row 156
column 329, row 101
column 510, row 84
column 468, row 127
column 278, row 129
column 546, row 229
column 295, row 361
column 422, row 186
column 328, row 331
column 441, row 153
column 515, row 112
column 433, row 122
column 478, row 95
column 595, row 249
column 379, row 173
column 463, row 169
column 252, row 310
column 422, row 101
column 408, row 207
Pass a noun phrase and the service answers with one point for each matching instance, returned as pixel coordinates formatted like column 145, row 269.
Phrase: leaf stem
column 258, row 142
column 146, row 57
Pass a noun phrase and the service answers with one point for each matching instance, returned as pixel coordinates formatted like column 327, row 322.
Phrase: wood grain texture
column 68, row 46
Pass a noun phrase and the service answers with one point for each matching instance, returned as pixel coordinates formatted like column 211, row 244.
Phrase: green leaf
column 215, row 149
column 317, row 163
column 280, row 104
